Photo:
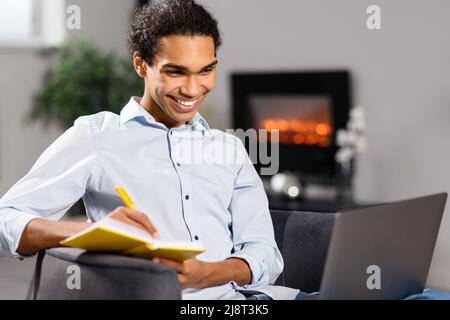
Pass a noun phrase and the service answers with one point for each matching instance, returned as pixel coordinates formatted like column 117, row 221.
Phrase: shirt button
column 178, row 164
column 196, row 237
column 186, row 197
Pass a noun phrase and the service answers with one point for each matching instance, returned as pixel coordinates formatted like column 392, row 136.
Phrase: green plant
column 85, row 81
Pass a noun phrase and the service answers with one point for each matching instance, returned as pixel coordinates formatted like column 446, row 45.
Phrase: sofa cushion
column 102, row 276
column 303, row 238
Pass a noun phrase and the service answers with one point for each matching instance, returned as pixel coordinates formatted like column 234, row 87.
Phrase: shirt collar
column 134, row 110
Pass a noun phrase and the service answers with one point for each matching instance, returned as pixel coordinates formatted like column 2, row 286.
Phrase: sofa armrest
column 303, row 239
column 102, row 276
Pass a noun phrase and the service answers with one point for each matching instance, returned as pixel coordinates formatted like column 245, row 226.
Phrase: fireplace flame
column 306, row 132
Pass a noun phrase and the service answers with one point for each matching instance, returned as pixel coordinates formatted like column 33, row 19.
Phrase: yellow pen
column 125, row 197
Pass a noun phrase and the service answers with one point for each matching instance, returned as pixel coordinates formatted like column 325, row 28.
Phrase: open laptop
column 382, row 252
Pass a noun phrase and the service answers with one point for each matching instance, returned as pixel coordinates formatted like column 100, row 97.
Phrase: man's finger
column 133, row 223
column 124, row 218
column 176, row 265
column 182, row 279
column 143, row 220
column 146, row 222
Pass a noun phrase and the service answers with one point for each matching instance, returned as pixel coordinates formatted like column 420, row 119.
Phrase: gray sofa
column 302, row 237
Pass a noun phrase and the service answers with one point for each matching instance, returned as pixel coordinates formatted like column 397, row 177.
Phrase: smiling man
column 179, row 78
column 150, row 150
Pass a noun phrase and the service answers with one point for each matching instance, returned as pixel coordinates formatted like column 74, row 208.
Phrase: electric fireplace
column 306, row 107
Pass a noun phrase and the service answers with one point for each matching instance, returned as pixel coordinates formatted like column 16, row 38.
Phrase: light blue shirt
column 193, row 182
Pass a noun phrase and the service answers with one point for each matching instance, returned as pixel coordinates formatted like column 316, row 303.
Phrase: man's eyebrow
column 185, row 69
column 212, row 64
column 175, row 66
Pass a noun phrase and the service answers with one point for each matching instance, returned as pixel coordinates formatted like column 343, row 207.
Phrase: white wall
column 400, row 74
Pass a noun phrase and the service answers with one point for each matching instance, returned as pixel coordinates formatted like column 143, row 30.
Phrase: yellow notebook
column 111, row 235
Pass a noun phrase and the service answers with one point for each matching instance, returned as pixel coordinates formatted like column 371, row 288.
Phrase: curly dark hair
column 161, row 18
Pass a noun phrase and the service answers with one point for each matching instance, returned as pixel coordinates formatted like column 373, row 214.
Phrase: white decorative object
column 351, row 140
column 287, row 184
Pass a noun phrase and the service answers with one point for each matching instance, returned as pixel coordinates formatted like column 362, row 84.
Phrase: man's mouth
column 184, row 105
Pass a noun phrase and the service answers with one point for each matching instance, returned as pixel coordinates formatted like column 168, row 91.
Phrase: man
column 151, row 149
column 146, row 150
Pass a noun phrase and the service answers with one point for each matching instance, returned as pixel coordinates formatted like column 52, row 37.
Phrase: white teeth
column 186, row 103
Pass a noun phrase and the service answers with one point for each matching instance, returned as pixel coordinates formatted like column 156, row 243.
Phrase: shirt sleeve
column 54, row 183
column 252, row 228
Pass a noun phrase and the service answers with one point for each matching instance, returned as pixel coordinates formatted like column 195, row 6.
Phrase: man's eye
column 207, row 70
column 174, row 73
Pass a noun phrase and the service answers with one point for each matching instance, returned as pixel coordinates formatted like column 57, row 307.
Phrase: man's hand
column 193, row 273
column 135, row 218
column 41, row 234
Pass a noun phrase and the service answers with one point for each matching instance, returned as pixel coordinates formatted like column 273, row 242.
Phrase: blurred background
column 363, row 114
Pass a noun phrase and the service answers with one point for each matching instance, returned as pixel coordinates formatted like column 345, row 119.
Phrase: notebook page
column 125, row 228
column 178, row 244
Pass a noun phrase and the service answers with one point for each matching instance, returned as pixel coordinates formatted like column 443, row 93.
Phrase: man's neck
column 157, row 113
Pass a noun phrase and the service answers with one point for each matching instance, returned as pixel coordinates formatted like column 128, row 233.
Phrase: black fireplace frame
column 316, row 163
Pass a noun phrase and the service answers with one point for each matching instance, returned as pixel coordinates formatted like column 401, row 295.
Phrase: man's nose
column 192, row 87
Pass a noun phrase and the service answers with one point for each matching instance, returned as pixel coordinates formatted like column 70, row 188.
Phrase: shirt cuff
column 258, row 269
column 12, row 225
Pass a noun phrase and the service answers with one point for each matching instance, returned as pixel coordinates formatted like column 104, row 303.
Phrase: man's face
column 183, row 73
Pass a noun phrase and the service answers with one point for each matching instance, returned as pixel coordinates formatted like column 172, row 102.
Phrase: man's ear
column 139, row 65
